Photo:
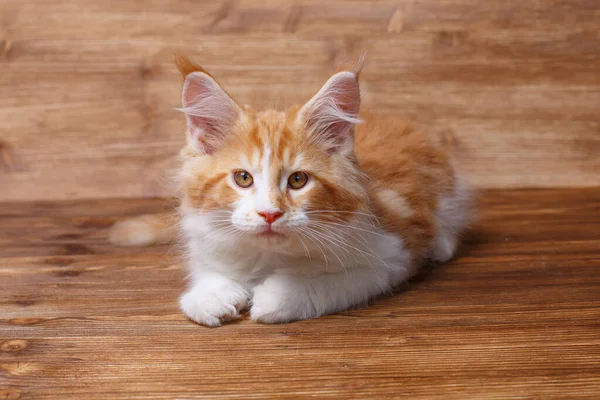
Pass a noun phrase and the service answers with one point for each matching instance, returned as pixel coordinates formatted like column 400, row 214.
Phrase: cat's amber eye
column 243, row 178
column 298, row 180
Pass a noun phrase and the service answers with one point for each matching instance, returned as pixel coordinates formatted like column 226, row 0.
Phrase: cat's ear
column 211, row 114
column 329, row 117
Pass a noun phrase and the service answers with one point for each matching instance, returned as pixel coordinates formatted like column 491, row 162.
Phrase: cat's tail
column 144, row 230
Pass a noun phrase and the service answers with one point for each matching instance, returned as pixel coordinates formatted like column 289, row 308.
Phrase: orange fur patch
column 206, row 186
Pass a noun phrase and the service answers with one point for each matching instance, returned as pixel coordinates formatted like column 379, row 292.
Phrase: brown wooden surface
column 87, row 87
column 515, row 316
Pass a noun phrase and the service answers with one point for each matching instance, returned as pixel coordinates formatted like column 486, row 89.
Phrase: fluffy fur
column 381, row 197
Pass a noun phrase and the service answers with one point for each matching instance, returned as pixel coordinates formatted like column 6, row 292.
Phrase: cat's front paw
column 282, row 298
column 213, row 306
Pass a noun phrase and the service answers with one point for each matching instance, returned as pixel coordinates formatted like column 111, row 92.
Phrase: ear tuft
column 187, row 66
column 354, row 66
column 329, row 117
column 211, row 114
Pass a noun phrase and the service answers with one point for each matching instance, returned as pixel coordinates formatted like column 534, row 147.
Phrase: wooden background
column 87, row 88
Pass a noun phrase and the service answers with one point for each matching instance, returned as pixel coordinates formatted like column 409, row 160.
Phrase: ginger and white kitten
column 308, row 211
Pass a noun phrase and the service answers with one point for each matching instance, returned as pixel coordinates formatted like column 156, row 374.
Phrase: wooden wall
column 87, row 87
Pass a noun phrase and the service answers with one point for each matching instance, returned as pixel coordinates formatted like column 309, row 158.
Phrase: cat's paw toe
column 265, row 306
column 281, row 299
column 214, row 308
column 444, row 247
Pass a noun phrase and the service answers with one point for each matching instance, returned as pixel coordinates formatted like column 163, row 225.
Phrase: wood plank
column 87, row 91
column 174, row 18
column 515, row 316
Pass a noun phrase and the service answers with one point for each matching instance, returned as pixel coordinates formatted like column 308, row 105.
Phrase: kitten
column 309, row 211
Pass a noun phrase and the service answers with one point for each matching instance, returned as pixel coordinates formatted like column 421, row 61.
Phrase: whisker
column 352, row 227
column 322, row 251
column 306, row 248
column 375, row 269
column 339, row 212
column 342, row 248
column 360, row 237
column 331, row 250
column 360, row 251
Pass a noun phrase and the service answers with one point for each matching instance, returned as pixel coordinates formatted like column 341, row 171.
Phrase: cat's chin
column 270, row 235
column 270, row 238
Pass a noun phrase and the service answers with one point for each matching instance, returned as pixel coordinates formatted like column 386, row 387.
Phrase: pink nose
column 270, row 216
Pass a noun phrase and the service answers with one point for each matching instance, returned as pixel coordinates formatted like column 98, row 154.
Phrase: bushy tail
column 144, row 230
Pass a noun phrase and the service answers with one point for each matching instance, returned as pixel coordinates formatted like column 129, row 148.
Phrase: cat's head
column 269, row 178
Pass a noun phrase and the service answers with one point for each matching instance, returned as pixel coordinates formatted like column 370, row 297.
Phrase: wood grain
column 87, row 88
column 515, row 316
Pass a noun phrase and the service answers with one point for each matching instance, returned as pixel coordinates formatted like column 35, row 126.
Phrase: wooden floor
column 515, row 316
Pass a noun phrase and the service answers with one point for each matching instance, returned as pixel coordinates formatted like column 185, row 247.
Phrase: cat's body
column 298, row 214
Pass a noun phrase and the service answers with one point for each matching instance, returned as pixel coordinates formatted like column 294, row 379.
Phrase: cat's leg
column 453, row 215
column 282, row 298
column 213, row 298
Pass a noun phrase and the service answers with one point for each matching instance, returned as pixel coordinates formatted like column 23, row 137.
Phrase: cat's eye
column 298, row 180
column 243, row 178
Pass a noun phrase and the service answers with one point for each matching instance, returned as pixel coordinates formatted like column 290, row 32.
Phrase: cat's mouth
column 268, row 232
